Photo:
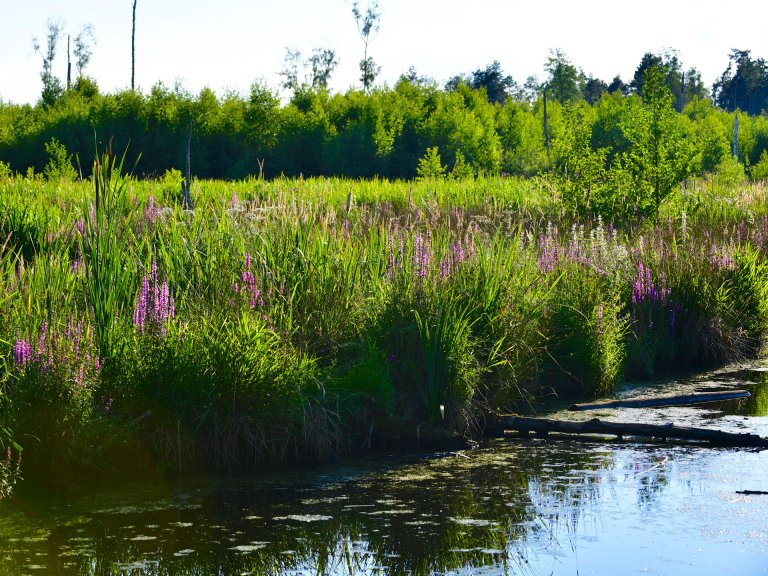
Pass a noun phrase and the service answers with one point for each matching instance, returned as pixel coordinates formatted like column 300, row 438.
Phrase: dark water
column 509, row 507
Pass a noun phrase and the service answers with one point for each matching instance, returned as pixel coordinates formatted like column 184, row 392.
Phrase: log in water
column 658, row 401
column 544, row 426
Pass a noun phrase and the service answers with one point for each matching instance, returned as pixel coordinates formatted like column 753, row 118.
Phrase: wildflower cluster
column 152, row 210
column 154, row 304
column 72, row 350
column 247, row 288
column 645, row 289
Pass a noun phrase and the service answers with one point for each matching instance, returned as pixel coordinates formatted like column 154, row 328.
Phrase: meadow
column 300, row 320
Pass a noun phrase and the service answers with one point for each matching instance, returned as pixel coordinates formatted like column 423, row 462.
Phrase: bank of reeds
column 299, row 320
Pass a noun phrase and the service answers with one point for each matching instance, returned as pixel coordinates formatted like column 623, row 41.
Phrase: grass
column 299, row 320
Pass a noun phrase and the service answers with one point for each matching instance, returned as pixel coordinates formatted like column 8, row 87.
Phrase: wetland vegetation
column 279, row 318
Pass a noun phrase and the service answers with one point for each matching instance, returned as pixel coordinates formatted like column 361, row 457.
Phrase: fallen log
column 658, row 401
column 544, row 426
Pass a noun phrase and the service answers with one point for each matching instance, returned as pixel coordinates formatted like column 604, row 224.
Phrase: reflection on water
column 509, row 507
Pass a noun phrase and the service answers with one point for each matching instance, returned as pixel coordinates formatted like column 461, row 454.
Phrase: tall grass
column 296, row 320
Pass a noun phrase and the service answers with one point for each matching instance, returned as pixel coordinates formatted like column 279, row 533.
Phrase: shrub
column 59, row 165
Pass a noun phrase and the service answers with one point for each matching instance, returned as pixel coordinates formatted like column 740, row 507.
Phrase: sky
column 228, row 44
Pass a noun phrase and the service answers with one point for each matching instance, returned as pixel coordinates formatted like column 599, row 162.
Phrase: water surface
column 508, row 507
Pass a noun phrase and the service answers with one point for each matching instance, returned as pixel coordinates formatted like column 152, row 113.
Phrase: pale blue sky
column 230, row 43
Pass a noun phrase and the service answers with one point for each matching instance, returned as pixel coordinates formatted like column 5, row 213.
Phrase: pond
column 558, row 506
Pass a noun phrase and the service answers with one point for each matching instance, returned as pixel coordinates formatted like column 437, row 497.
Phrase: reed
column 300, row 319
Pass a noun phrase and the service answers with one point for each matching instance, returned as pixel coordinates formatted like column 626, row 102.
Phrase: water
column 509, row 507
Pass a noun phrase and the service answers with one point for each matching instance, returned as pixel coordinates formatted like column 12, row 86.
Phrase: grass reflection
column 443, row 515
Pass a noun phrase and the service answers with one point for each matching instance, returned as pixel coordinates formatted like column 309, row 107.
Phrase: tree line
column 479, row 122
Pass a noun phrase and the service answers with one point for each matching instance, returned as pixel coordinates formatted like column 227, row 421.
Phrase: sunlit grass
column 294, row 320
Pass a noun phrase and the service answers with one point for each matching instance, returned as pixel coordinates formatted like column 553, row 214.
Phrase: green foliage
column 59, row 165
column 103, row 247
column 729, row 173
column 171, row 183
column 462, row 169
column 746, row 88
column 486, row 118
column 229, row 383
column 564, row 80
column 446, row 346
column 319, row 316
column 586, row 333
column 430, row 165
column 760, row 170
column 660, row 157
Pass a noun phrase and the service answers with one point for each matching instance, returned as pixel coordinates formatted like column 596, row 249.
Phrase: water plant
column 300, row 319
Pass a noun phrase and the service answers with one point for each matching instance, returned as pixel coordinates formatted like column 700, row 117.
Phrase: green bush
column 59, row 165
column 586, row 331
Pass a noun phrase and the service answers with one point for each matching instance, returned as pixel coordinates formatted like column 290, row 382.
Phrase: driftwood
column 677, row 400
column 543, row 427
column 752, row 492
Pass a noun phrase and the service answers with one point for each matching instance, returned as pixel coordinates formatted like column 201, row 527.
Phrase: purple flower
column 22, row 353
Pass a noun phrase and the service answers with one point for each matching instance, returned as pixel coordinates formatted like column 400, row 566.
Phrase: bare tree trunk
column 186, row 192
column 69, row 67
column 133, row 48
column 546, row 127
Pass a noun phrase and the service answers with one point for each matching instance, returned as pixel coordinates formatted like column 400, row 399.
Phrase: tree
column 649, row 60
column 745, row 89
column 593, row 89
column 497, row 86
column 684, row 85
column 530, row 91
column 52, row 88
column 617, row 85
column 290, row 72
column 564, row 79
column 367, row 26
column 133, row 47
column 659, row 156
column 322, row 64
column 83, row 51
column 430, row 165
column 693, row 88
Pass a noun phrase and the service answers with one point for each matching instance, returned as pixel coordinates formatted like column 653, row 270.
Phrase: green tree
column 593, row 89
column 659, row 157
column 290, row 71
column 498, row 87
column 52, row 88
column 322, row 63
column 684, row 85
column 430, row 165
column 745, row 89
column 59, row 165
column 83, row 52
column 368, row 26
column 564, row 82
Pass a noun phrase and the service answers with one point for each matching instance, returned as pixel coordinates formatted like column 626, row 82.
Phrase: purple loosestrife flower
column 600, row 311
column 154, row 302
column 41, row 342
column 417, row 250
column 22, row 353
column 152, row 211
column 445, row 265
